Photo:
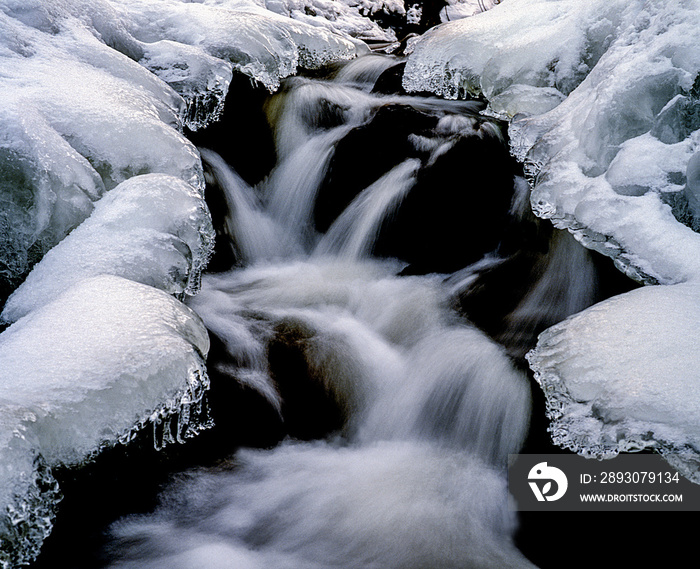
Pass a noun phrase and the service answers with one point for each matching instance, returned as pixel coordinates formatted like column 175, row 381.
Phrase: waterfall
column 254, row 234
column 354, row 232
column 400, row 414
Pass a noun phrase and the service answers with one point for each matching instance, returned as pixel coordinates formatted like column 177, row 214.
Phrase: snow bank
column 604, row 99
column 625, row 375
column 153, row 229
column 93, row 367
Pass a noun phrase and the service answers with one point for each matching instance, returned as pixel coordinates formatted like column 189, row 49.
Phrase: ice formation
column 104, row 360
column 458, row 9
column 624, row 375
column 350, row 17
column 95, row 97
column 153, row 229
column 80, row 115
column 604, row 101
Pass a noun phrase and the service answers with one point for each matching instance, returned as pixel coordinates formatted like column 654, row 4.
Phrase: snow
column 263, row 45
column 96, row 94
column 104, row 360
column 153, row 229
column 458, row 9
column 604, row 111
column 624, row 375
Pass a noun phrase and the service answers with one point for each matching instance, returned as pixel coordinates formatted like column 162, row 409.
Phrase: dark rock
column 309, row 410
column 365, row 154
column 456, row 212
column 390, row 81
column 243, row 136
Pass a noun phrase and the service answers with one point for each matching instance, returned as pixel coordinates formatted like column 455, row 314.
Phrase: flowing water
column 400, row 413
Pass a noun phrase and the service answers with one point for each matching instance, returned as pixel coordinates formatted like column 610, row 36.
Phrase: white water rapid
column 430, row 407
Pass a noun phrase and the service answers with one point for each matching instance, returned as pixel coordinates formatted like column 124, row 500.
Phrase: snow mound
column 605, row 102
column 106, row 359
column 624, row 375
column 153, row 229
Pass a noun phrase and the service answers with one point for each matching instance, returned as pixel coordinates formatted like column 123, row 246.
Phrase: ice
column 457, row 9
column 351, row 17
column 392, row 505
column 153, row 229
column 261, row 44
column 538, row 43
column 623, row 376
column 692, row 189
column 106, row 359
column 77, row 118
column 604, row 101
column 80, row 115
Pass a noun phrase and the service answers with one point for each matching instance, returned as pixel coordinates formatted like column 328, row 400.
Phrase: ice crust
column 624, row 375
column 80, row 115
column 604, row 103
column 350, row 17
column 603, row 97
column 153, row 229
column 458, row 9
column 103, row 361
column 261, row 44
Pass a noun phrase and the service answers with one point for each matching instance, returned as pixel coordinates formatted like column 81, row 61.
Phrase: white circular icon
column 540, row 479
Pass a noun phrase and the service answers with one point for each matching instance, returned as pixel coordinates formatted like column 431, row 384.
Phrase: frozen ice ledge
column 624, row 375
column 604, row 98
column 604, row 102
column 105, row 359
column 97, row 91
column 96, row 95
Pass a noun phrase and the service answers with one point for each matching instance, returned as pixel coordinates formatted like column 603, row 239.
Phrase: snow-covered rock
column 624, row 375
column 604, row 100
column 80, row 115
column 106, row 359
column 153, row 229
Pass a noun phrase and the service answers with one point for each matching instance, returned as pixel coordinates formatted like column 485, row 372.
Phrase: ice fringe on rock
column 153, row 229
column 106, row 359
column 605, row 107
column 624, row 375
column 350, row 17
column 458, row 9
column 80, row 115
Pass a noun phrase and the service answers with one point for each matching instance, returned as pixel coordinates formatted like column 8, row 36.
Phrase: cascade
column 398, row 412
column 271, row 298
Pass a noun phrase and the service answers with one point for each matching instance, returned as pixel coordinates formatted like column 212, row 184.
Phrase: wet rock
column 243, row 136
column 309, row 410
column 365, row 154
column 456, row 212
